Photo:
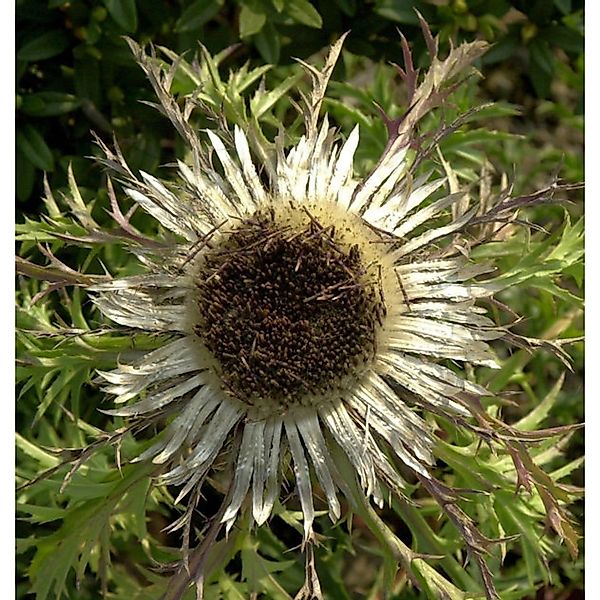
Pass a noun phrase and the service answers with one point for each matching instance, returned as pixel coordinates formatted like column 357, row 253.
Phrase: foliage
column 76, row 74
column 88, row 516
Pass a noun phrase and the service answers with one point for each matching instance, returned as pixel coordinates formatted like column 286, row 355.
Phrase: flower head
column 309, row 312
column 305, row 313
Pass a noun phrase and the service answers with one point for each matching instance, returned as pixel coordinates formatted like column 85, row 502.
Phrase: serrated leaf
column 51, row 564
column 433, row 584
column 43, row 458
column 559, row 521
column 570, row 247
column 243, row 79
column 232, row 590
column 551, row 287
column 515, row 520
column 135, row 504
column 211, row 64
column 567, row 469
column 354, row 113
column 258, row 572
column 23, row 544
column 264, row 100
column 55, row 392
column 40, row 514
column 541, row 411
column 577, row 272
column 425, row 540
column 84, row 529
column 539, row 260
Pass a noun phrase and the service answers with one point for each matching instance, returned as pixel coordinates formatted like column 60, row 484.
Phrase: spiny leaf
column 533, row 419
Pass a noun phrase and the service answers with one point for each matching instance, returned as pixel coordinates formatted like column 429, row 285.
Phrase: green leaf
column 86, row 527
column 541, row 66
column 570, row 248
column 45, row 46
column 267, row 42
column 197, row 14
column 302, row 11
column 134, row 504
column 258, row 571
column 563, row 5
column 538, row 260
column 347, row 6
column 567, row 469
column 124, row 13
column 433, row 584
column 243, row 79
column 31, row 143
column 502, row 50
column 26, row 179
column 43, row 458
column 550, row 286
column 51, row 564
column 231, row 589
column 402, row 11
column 263, row 101
column 563, row 37
column 49, row 104
column 531, row 421
column 87, row 81
column 577, row 272
column 55, row 392
column 251, row 21
column 40, row 514
column 515, row 520
column 541, row 55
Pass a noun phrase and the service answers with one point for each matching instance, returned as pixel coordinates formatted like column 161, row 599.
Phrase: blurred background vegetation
column 75, row 75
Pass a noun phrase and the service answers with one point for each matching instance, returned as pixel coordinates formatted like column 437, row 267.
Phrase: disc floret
column 288, row 307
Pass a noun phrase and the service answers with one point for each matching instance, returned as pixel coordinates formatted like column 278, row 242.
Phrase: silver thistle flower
column 311, row 313
column 302, row 308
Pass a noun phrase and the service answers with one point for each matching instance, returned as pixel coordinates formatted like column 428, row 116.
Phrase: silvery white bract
column 429, row 305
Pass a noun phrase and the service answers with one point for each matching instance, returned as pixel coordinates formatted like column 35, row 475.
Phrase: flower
column 305, row 311
column 307, row 322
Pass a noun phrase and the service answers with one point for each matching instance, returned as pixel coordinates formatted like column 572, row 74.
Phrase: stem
column 432, row 544
column 181, row 580
column 193, row 570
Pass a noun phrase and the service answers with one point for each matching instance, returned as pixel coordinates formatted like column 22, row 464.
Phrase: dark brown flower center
column 286, row 311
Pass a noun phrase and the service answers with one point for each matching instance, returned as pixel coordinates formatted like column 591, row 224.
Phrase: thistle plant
column 304, row 344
